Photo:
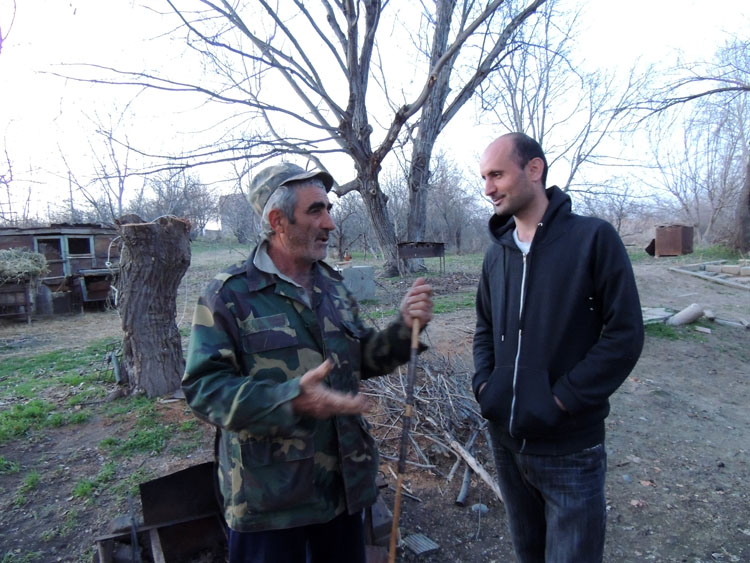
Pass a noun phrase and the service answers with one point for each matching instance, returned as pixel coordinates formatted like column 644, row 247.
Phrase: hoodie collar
column 501, row 226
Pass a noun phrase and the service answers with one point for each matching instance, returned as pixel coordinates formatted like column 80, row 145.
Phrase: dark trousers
column 342, row 540
column 556, row 505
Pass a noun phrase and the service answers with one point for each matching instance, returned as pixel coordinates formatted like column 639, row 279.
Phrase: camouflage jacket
column 252, row 338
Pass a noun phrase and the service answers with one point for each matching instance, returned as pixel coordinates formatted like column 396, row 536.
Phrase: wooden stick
column 475, row 465
column 464, row 492
column 410, row 378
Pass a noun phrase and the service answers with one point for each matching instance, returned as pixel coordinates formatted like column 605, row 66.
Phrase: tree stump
column 154, row 258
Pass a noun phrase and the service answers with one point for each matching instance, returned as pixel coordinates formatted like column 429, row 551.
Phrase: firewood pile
column 445, row 421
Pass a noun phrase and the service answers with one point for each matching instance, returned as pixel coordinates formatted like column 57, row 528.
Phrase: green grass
column 464, row 262
column 7, row 466
column 27, row 381
column 661, row 330
column 189, row 440
column 183, row 449
column 454, row 302
column 35, row 415
column 29, row 485
column 30, row 482
column 85, row 489
column 18, row 557
column 149, row 435
column 17, row 420
column 129, row 485
column 188, row 426
column 26, row 377
column 70, row 523
column 668, row 332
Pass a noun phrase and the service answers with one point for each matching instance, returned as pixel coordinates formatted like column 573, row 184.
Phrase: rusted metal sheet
column 178, row 495
column 407, row 250
column 421, row 250
column 181, row 519
column 674, row 240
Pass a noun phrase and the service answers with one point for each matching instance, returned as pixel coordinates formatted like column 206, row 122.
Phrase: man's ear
column 535, row 168
column 277, row 220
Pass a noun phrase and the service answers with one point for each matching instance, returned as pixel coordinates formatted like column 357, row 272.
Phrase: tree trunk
column 154, row 258
column 743, row 215
column 419, row 177
column 375, row 201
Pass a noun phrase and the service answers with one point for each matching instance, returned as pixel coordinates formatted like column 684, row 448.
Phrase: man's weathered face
column 509, row 187
column 306, row 240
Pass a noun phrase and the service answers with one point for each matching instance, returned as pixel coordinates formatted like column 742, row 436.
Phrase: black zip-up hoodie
column 564, row 320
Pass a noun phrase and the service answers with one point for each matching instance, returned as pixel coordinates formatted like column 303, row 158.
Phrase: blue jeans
column 555, row 504
column 342, row 540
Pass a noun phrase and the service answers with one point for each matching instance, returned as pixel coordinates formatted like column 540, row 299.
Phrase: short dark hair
column 526, row 148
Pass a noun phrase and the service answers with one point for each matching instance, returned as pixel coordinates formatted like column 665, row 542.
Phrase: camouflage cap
column 267, row 180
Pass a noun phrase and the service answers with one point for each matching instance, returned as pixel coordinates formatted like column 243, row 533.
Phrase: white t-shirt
column 524, row 246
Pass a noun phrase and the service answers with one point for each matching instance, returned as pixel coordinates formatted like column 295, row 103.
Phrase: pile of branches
column 445, row 420
column 18, row 265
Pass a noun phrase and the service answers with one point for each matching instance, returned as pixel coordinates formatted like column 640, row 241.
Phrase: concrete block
column 360, row 280
column 745, row 271
column 713, row 267
column 732, row 269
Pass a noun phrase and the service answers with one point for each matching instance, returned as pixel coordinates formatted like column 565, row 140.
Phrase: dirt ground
column 678, row 444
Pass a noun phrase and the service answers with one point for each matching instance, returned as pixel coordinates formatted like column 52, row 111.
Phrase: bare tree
column 178, row 194
column 201, row 205
column 6, row 179
column 455, row 207
column 440, row 106
column 238, row 218
column 704, row 174
column 302, row 73
column 15, row 202
column 345, row 214
column 6, row 27
column 531, row 90
column 615, row 204
column 726, row 82
column 108, row 188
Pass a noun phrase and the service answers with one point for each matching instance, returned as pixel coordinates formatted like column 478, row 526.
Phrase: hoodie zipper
column 518, row 350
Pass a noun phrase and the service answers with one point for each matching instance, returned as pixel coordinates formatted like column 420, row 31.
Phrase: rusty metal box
column 674, row 240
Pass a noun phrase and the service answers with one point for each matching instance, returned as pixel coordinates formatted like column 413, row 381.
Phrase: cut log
column 154, row 258
column 686, row 316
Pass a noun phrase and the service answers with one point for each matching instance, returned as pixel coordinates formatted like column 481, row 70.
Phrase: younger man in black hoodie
column 559, row 328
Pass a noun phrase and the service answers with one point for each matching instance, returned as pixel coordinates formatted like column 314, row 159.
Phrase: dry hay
column 19, row 265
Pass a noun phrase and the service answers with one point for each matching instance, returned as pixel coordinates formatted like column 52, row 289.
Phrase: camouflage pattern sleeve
column 215, row 382
column 385, row 350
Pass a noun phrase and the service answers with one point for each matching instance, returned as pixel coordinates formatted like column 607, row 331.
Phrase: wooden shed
column 83, row 260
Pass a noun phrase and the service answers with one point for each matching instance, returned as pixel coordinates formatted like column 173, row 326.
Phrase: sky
column 43, row 116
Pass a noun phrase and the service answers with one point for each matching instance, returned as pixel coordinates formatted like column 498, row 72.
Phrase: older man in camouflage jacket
column 276, row 354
